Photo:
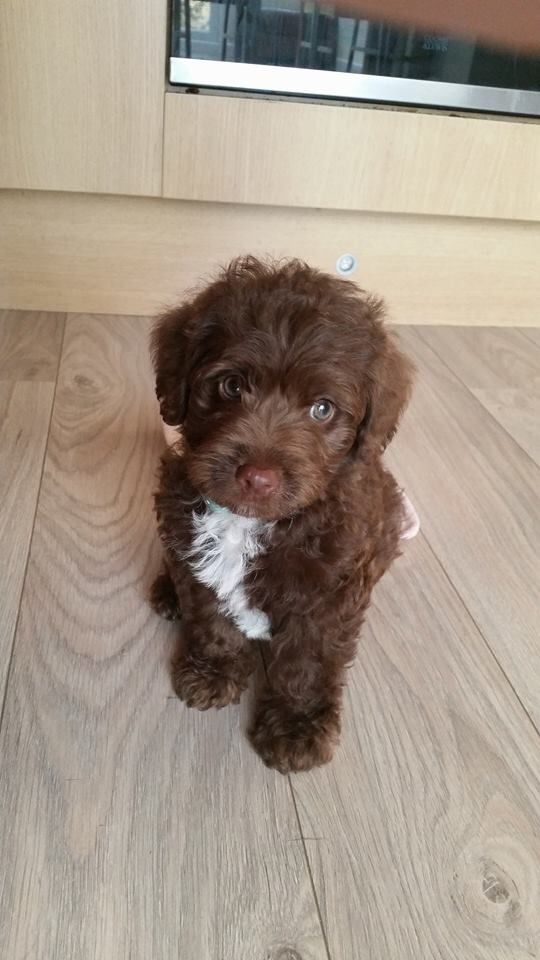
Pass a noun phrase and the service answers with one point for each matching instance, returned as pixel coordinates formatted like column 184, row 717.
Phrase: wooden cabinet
column 82, row 109
column 284, row 153
column 84, row 112
column 82, row 86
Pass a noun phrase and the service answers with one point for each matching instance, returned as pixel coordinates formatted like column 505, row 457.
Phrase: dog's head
column 280, row 376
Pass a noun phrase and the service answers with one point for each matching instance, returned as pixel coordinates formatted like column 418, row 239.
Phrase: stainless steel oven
column 302, row 49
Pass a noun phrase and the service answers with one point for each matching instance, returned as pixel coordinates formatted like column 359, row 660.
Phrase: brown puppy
column 278, row 517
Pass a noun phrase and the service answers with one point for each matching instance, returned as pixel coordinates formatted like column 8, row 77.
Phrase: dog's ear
column 389, row 385
column 389, row 391
column 172, row 354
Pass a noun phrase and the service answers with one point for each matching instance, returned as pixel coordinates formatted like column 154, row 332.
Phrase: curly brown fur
column 289, row 336
column 163, row 597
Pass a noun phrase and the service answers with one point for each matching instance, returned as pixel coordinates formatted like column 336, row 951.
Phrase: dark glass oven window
column 289, row 33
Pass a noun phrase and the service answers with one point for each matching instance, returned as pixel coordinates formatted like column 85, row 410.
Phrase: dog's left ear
column 389, row 385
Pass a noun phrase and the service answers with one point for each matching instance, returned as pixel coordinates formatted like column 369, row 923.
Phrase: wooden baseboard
column 111, row 254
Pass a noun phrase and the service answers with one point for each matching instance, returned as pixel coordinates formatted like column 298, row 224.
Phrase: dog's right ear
column 172, row 349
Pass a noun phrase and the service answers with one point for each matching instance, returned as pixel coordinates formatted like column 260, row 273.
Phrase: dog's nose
column 258, row 481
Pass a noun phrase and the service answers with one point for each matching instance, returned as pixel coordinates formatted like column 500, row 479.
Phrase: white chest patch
column 224, row 546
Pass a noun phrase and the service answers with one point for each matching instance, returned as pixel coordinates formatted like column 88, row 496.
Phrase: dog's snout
column 258, row 481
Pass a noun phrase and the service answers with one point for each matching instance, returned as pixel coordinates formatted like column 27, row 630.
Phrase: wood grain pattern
column 477, row 495
column 30, row 345
column 242, row 150
column 502, row 369
column 132, row 828
column 29, row 354
column 135, row 255
column 487, row 359
column 82, row 95
column 424, row 832
column 25, row 409
column 519, row 413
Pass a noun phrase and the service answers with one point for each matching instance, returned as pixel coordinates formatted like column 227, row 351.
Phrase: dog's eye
column 231, row 387
column 322, row 410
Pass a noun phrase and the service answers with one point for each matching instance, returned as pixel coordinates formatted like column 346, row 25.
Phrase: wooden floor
column 134, row 829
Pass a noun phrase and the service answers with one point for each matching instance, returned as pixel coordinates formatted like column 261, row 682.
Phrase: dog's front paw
column 291, row 741
column 163, row 597
column 201, row 686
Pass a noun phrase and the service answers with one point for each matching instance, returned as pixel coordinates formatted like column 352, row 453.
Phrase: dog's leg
column 213, row 666
column 214, row 660
column 297, row 722
column 163, row 598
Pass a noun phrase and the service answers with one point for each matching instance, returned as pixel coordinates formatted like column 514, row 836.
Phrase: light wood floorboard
column 29, row 355
column 30, row 345
column 477, row 495
column 501, row 367
column 134, row 829
column 533, row 334
column 424, row 831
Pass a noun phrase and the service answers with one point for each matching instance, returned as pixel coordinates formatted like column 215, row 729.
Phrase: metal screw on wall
column 346, row 264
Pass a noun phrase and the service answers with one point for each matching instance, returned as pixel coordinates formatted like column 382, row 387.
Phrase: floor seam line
column 31, row 540
column 481, row 633
column 478, row 401
column 303, row 841
column 524, row 333
column 309, row 870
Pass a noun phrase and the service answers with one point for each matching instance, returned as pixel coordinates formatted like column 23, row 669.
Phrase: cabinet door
column 82, row 86
column 282, row 153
